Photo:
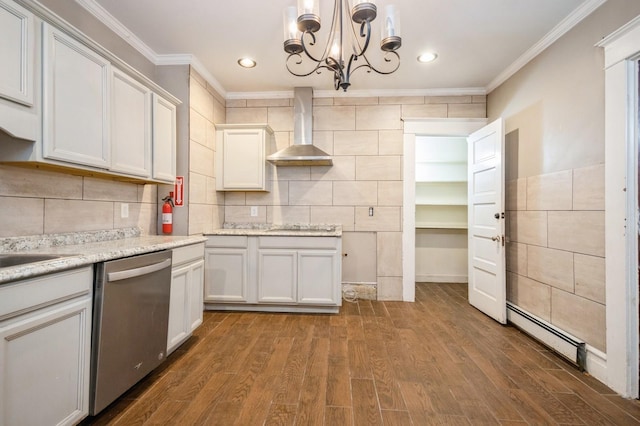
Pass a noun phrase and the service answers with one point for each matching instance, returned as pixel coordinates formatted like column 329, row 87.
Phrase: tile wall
column 365, row 137
column 37, row 202
column 555, row 250
column 207, row 107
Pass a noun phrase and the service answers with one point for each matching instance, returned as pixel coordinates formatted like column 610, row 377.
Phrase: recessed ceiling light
column 427, row 57
column 246, row 62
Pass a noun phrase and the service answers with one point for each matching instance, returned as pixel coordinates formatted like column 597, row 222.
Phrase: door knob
column 496, row 238
column 497, row 215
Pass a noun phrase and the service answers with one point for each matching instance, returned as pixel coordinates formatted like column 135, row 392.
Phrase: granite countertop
column 266, row 229
column 83, row 248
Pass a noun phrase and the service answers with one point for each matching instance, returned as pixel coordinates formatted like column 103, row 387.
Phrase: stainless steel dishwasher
column 130, row 321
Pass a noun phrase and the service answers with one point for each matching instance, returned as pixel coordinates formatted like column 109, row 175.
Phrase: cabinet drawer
column 26, row 295
column 298, row 242
column 235, row 241
column 187, row 254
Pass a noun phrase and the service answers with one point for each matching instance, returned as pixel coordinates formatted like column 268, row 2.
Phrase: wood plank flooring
column 436, row 361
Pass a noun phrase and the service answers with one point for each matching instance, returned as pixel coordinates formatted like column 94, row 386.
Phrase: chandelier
column 346, row 45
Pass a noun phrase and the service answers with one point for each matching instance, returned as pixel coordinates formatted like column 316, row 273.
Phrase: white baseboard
column 442, row 278
column 597, row 364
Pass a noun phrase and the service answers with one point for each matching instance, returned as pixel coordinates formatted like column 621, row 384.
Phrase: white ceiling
column 479, row 42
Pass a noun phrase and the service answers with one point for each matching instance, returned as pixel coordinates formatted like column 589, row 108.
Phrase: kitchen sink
column 7, row 260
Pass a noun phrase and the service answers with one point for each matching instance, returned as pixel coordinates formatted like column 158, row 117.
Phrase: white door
column 487, row 284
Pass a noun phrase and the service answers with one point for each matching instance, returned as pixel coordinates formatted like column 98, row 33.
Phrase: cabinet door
column 318, row 277
column 277, row 276
column 130, row 126
column 44, row 365
column 16, row 51
column 226, row 275
column 196, row 293
column 75, row 102
column 178, row 307
column 243, row 158
column 164, row 139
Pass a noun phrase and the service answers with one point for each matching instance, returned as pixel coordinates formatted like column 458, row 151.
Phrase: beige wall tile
column 553, row 267
column 344, row 216
column 355, row 143
column 379, row 168
column 581, row 317
column 76, row 216
column 390, row 288
column 401, row 100
column 280, row 118
column 22, row 182
column 143, row 216
column 590, row 277
column 198, row 127
column 211, row 136
column 213, row 196
column 530, row 295
column 200, row 79
column 200, row 99
column 148, row 193
column 467, row 111
column 389, row 254
column 236, row 103
column 219, row 112
column 380, row 117
column 310, row 193
column 322, row 101
column 283, row 140
column 324, row 141
column 465, row 99
column 288, row 214
column 246, row 115
column 197, row 188
column 202, row 160
column 517, row 258
column 292, row 173
column 528, row 227
column 390, row 193
column 579, row 231
column 355, row 101
column 278, row 102
column 354, row 193
column 516, row 194
column 334, row 118
column 242, row 214
column 344, row 168
column 109, row 190
column 200, row 218
column 278, row 196
column 21, row 216
column 588, row 188
column 552, row 191
column 390, row 142
column 233, row 198
column 479, row 99
column 383, row 219
column 424, row 111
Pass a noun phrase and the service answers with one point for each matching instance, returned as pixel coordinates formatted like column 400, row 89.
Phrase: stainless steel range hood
column 302, row 152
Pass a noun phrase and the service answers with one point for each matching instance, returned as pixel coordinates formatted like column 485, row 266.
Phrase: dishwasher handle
column 136, row 272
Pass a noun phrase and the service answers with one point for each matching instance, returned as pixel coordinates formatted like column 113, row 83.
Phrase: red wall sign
column 179, row 191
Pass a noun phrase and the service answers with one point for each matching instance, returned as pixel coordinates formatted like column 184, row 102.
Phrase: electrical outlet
column 370, row 211
column 254, row 211
column 124, row 210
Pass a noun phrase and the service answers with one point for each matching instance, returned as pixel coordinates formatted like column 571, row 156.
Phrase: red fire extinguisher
column 167, row 214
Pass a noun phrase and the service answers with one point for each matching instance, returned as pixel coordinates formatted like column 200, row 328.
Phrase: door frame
column 413, row 127
column 622, row 51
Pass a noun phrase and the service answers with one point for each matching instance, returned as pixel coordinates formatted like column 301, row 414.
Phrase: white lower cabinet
column 186, row 302
column 279, row 273
column 45, row 338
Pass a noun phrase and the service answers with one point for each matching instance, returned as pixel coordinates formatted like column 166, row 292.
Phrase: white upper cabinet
column 76, row 101
column 241, row 161
column 17, row 50
column 164, row 139
column 130, row 126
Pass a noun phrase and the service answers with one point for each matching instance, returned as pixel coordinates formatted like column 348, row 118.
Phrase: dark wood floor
column 436, row 361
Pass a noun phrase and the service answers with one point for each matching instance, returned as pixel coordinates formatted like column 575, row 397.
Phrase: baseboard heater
column 558, row 340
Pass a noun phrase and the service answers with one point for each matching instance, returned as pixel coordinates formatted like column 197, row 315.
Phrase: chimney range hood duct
column 302, row 152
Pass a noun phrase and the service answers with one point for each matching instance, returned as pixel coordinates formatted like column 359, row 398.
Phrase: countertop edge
column 94, row 253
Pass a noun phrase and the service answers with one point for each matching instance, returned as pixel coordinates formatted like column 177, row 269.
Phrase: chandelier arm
column 372, row 68
column 304, row 46
column 316, row 69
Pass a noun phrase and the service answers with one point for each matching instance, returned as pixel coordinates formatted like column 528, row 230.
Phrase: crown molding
column 581, row 12
column 468, row 91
